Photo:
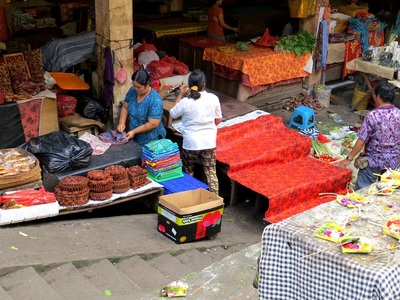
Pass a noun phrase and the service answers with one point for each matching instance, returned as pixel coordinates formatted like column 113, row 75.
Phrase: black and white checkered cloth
column 286, row 272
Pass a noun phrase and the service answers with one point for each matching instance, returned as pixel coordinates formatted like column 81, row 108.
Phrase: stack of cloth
column 162, row 160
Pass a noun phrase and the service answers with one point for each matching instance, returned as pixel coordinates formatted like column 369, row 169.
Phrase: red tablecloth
column 261, row 65
column 273, row 160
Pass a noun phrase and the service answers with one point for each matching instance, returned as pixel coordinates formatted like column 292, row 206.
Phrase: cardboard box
column 353, row 9
column 17, row 215
column 79, row 131
column 190, row 215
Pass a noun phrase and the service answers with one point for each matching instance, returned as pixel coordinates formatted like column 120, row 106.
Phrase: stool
column 302, row 117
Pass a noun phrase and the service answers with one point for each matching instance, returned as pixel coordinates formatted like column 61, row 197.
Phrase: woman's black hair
column 197, row 82
column 141, row 76
column 210, row 3
column 386, row 91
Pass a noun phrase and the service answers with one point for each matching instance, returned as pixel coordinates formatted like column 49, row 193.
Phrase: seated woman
column 145, row 109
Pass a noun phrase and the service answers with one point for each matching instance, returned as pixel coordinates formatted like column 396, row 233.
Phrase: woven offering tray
column 381, row 188
column 392, row 228
column 357, row 244
column 392, row 176
column 226, row 49
column 352, row 200
column 331, row 232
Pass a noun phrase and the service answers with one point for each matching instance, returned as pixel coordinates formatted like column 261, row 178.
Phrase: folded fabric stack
column 162, row 160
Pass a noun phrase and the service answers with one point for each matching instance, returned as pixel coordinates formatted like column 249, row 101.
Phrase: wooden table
column 165, row 36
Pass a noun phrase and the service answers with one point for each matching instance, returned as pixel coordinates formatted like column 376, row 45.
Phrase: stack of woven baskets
column 137, row 176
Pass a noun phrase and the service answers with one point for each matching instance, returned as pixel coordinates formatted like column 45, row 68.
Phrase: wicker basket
column 33, row 175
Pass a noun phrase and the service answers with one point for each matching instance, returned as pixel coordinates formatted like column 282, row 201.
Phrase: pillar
column 114, row 27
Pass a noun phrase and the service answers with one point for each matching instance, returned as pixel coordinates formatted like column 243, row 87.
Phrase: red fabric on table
column 269, row 158
column 30, row 117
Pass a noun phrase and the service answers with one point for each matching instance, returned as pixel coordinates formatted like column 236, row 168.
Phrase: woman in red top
column 216, row 22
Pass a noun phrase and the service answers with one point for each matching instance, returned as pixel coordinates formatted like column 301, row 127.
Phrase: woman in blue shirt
column 145, row 109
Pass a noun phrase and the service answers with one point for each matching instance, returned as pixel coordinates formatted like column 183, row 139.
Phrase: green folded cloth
column 168, row 175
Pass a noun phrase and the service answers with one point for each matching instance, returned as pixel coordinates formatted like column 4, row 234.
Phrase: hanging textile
column 321, row 50
column 108, row 77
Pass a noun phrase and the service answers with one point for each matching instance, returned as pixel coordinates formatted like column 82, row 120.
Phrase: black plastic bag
column 92, row 109
column 59, row 152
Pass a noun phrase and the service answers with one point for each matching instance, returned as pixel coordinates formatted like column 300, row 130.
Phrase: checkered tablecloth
column 286, row 272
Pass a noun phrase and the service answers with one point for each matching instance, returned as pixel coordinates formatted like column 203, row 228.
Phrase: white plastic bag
column 49, row 81
column 146, row 57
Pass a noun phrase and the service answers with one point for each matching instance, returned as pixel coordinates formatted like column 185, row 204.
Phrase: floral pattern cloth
column 262, row 65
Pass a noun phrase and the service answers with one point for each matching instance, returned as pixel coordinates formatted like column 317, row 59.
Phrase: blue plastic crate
column 185, row 183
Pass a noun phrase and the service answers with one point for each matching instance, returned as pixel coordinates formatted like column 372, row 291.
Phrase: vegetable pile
column 322, row 152
column 301, row 43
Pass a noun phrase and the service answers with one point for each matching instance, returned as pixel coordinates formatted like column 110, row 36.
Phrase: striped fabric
column 62, row 54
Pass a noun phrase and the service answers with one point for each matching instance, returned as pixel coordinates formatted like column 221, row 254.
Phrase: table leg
column 366, row 80
column 232, row 200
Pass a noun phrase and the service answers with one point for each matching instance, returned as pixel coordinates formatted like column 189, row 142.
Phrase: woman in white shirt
column 201, row 113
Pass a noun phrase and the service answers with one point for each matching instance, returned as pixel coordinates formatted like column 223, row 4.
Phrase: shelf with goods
column 29, row 22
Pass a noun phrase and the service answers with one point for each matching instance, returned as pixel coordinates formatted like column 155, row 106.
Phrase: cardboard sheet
column 361, row 65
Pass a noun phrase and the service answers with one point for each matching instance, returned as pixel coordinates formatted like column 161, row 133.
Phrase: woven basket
column 32, row 175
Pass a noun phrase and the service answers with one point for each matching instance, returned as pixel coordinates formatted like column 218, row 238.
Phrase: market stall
column 274, row 162
column 344, row 249
column 25, row 119
column 21, row 171
column 257, row 69
column 166, row 35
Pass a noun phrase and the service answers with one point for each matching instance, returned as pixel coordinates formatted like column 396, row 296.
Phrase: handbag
column 361, row 161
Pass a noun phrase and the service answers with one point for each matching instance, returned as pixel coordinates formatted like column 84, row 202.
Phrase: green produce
column 242, row 46
column 301, row 43
column 321, row 149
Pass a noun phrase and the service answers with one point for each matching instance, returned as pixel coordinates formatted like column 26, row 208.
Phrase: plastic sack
column 66, row 105
column 121, row 75
column 180, row 68
column 59, row 152
column 147, row 57
column 160, row 69
column 145, row 47
column 266, row 40
column 49, row 81
column 170, row 59
column 92, row 109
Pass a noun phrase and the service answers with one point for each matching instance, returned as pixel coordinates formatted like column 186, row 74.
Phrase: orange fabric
column 213, row 24
column 274, row 161
column 262, row 65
